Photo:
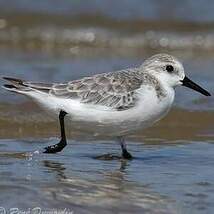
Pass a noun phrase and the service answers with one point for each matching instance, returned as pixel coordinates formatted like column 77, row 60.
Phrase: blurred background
column 58, row 41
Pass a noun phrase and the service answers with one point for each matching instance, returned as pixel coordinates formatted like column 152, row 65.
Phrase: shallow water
column 175, row 178
column 173, row 167
column 172, row 171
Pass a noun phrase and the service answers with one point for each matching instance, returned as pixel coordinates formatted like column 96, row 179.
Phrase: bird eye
column 169, row 68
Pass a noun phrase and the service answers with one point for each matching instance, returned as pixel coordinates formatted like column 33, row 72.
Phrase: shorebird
column 117, row 103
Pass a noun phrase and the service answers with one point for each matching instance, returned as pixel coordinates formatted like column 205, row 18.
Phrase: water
column 174, row 178
column 172, row 171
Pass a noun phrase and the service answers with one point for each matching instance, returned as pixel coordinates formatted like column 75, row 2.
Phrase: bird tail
column 21, row 86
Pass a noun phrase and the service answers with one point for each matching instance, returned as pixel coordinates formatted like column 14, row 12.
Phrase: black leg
column 125, row 153
column 62, row 143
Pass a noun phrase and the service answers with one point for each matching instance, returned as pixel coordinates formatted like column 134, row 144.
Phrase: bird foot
column 126, row 155
column 55, row 148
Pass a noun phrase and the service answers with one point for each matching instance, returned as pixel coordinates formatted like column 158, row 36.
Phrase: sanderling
column 116, row 104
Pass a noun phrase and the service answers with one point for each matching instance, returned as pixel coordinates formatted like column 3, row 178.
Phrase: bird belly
column 99, row 120
column 106, row 122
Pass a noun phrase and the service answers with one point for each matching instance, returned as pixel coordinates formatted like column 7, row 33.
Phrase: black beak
column 190, row 84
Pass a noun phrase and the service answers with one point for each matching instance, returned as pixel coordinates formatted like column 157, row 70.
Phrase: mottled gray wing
column 115, row 90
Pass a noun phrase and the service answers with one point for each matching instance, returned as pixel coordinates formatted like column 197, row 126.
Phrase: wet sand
column 176, row 178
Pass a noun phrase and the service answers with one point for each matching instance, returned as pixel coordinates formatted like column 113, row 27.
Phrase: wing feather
column 116, row 90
